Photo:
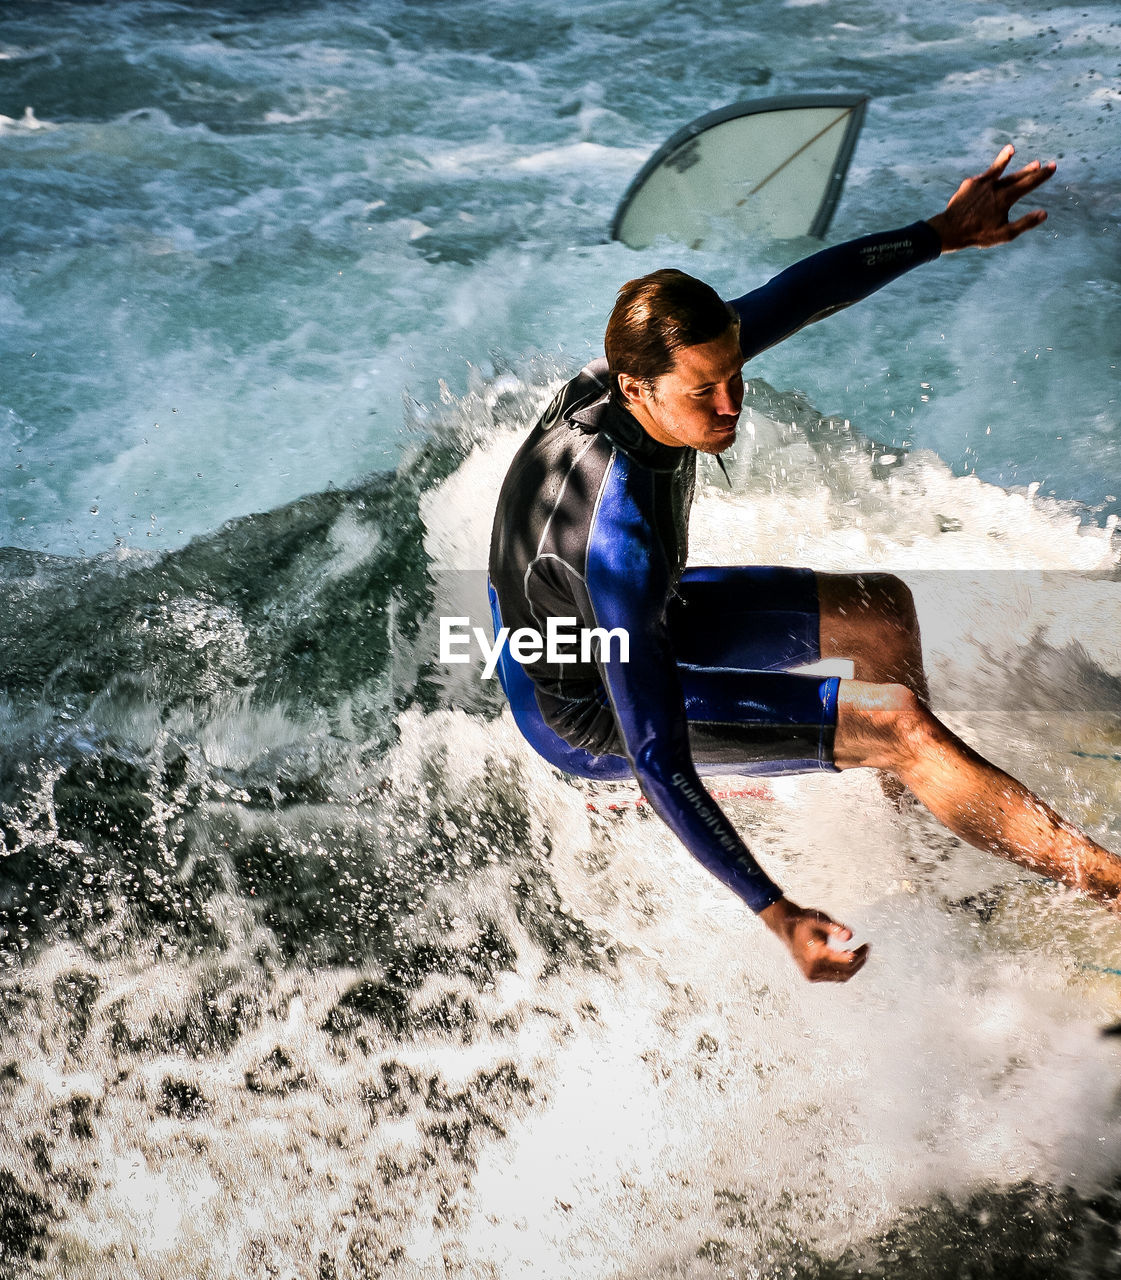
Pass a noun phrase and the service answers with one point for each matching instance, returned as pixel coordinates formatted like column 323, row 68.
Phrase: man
column 592, row 523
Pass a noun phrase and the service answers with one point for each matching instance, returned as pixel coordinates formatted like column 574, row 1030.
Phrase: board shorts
column 736, row 632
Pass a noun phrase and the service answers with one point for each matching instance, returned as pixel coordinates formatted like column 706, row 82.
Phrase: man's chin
column 720, row 441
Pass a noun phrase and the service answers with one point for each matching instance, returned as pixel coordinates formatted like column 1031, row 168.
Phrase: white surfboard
column 774, row 167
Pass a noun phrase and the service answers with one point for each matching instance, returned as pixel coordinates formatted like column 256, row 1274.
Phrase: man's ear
column 631, row 388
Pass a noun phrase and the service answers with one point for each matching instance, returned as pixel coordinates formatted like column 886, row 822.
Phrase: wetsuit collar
column 627, row 435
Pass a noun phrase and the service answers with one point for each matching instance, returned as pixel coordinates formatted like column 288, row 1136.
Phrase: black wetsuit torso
column 592, row 523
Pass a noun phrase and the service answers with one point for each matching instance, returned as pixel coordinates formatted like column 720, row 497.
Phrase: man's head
column 673, row 352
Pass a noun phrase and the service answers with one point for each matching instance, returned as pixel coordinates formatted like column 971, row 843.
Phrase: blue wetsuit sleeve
column 628, row 583
column 829, row 281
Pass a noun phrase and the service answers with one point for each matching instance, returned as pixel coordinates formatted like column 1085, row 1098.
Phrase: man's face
column 698, row 401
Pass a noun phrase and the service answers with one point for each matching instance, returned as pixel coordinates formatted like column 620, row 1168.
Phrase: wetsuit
column 592, row 524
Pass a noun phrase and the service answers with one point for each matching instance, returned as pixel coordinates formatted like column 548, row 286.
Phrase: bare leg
column 886, row 726
column 870, row 619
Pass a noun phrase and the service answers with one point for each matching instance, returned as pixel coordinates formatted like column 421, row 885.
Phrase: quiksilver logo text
column 707, row 814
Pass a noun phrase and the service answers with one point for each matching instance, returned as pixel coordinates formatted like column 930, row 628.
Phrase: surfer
column 591, row 524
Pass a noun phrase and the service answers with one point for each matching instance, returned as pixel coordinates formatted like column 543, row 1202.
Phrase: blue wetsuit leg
column 736, row 630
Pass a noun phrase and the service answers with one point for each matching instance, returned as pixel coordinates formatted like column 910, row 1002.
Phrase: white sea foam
column 946, row 1041
column 579, row 156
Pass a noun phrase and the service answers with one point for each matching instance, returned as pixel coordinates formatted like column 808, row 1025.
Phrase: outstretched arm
column 627, row 580
column 829, row 281
column 835, row 278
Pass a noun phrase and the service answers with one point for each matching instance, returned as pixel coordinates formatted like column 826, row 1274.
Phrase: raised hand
column 977, row 214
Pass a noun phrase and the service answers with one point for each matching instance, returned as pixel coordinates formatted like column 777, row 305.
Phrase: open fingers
column 1025, row 223
column 1027, row 179
column 1001, row 162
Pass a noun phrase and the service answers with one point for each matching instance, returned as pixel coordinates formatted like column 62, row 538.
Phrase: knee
column 890, row 599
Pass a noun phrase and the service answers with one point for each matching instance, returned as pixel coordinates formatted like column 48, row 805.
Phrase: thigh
column 746, row 617
column 737, row 631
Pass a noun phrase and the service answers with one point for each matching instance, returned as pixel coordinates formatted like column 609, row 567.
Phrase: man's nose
column 727, row 404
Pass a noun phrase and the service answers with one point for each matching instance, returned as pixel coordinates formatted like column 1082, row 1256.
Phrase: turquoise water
column 235, row 238
column 308, row 967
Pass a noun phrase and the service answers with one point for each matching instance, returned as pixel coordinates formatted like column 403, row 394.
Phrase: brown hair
column 654, row 317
